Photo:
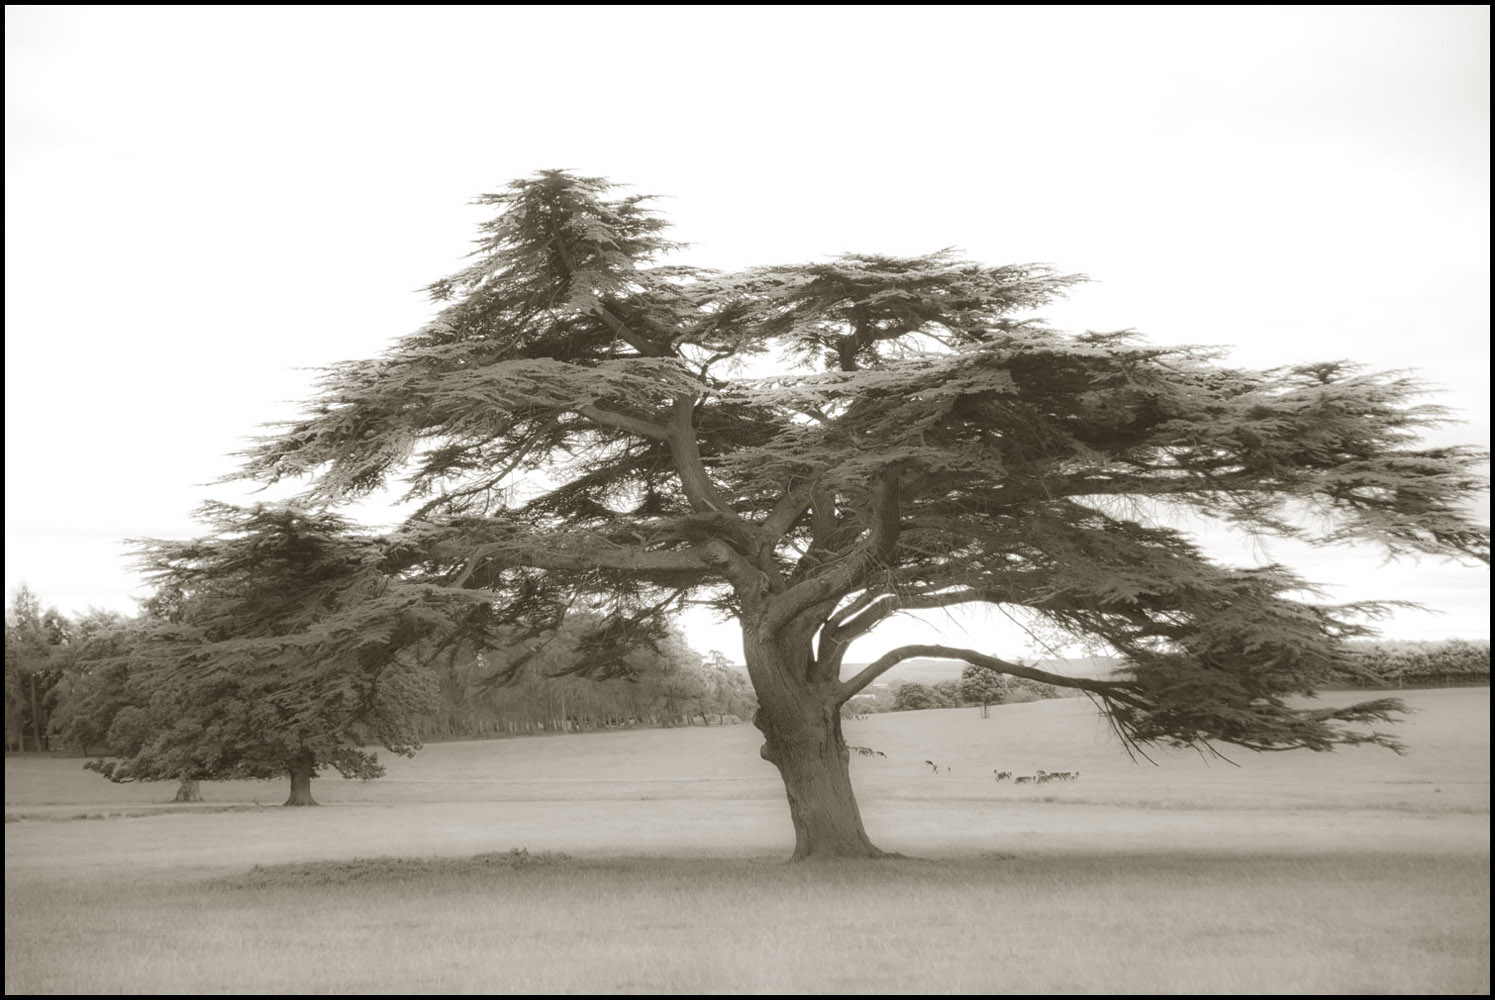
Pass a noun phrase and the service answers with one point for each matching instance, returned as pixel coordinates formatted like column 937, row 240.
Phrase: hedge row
column 1452, row 662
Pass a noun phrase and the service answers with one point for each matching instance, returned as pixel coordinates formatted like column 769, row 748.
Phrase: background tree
column 982, row 687
column 919, row 445
column 285, row 648
column 913, row 696
column 947, row 694
column 35, row 644
column 107, row 709
column 869, row 701
column 731, row 691
column 95, row 686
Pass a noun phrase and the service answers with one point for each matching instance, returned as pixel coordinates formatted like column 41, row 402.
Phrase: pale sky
column 203, row 203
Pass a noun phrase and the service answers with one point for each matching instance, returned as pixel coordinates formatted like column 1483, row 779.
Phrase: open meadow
column 651, row 861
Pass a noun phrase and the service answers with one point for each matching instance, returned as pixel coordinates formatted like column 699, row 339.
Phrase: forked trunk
column 301, row 769
column 188, row 791
column 802, row 738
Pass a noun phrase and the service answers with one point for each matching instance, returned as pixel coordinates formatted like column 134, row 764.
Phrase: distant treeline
column 976, row 688
column 70, row 683
column 1450, row 663
column 67, row 684
column 674, row 687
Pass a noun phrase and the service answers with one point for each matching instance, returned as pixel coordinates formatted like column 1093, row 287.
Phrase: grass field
column 653, row 863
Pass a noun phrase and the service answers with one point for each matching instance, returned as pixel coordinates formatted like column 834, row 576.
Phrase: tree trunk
column 801, row 726
column 188, row 791
column 36, row 717
column 301, row 769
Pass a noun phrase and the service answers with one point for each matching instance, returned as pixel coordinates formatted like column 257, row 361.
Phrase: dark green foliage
column 96, row 685
column 279, row 640
column 36, row 649
column 1415, row 664
column 132, row 727
column 983, row 687
column 947, row 694
column 913, row 696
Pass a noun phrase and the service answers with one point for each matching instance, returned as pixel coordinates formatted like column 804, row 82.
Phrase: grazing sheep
column 1026, row 779
column 1002, row 775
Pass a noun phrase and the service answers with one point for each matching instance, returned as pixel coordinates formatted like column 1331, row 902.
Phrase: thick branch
column 623, row 422
column 788, row 510
column 886, row 503
column 645, row 347
column 849, row 572
column 862, row 615
column 826, row 587
column 858, row 603
column 747, row 564
column 1121, row 691
column 823, row 521
column 890, row 604
column 620, row 329
column 749, row 583
column 698, row 487
column 620, row 557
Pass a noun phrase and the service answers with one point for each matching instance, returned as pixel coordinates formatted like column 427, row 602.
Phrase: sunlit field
column 652, row 861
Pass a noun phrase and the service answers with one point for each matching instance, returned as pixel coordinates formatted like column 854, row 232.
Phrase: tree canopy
column 816, row 448
column 36, row 648
column 983, row 687
column 96, row 686
column 278, row 645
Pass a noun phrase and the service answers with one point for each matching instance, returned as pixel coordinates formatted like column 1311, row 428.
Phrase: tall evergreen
column 588, row 425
